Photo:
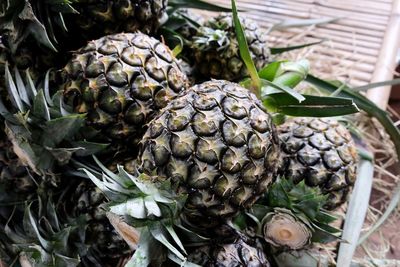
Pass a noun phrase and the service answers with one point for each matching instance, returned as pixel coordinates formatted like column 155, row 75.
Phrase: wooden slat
column 353, row 43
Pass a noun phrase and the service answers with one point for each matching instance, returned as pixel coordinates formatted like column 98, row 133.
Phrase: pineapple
column 121, row 81
column 291, row 216
column 98, row 18
column 216, row 49
column 283, row 229
column 66, row 25
column 109, row 91
column 239, row 252
column 219, row 144
column 100, row 242
column 72, row 227
column 322, row 153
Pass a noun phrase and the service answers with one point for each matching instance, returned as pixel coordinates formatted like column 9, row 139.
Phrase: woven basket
column 360, row 48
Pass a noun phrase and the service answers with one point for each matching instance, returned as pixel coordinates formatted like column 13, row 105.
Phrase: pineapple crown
column 41, row 239
column 150, row 209
column 298, row 203
column 209, row 38
column 41, row 128
column 39, row 19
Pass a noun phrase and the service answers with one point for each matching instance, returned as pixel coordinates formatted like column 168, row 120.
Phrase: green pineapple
column 322, row 153
column 219, row 144
column 216, row 49
column 121, row 81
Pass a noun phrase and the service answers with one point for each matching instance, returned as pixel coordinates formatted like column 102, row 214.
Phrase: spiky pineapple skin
column 98, row 18
column 322, row 152
column 231, row 253
column 226, row 63
column 219, row 144
column 121, row 81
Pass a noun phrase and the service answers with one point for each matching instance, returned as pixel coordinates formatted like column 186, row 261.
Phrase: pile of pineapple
column 118, row 150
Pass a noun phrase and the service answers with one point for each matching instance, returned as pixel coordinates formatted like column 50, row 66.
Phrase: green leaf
column 62, row 155
column 280, row 50
column 366, row 105
column 40, row 108
column 244, row 48
column 87, row 148
column 197, row 4
column 22, row 92
column 175, row 237
column 35, row 27
column 321, row 235
column 158, row 234
column 268, row 88
column 62, row 128
column 312, row 106
column 13, row 91
column 144, row 253
column 270, row 71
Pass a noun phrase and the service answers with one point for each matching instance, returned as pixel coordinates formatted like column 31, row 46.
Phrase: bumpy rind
column 226, row 63
column 322, row 152
column 218, row 142
column 97, row 18
column 121, row 81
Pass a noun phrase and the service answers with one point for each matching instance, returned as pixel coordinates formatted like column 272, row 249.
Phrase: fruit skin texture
column 121, row 81
column 321, row 152
column 98, row 18
column 220, row 57
column 233, row 252
column 219, row 144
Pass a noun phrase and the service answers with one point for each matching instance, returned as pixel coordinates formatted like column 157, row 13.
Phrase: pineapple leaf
column 159, row 234
column 178, row 261
column 175, row 237
column 59, row 129
column 85, row 148
column 143, row 256
column 244, row 49
column 47, row 89
column 301, row 201
column 152, row 209
column 40, row 108
column 364, row 104
column 312, row 106
column 322, row 235
column 268, row 89
column 30, row 88
column 270, row 71
column 62, row 155
column 22, row 92
column 132, row 207
column 197, row 4
column 280, row 50
column 12, row 90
